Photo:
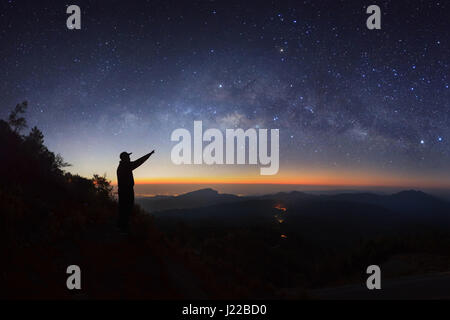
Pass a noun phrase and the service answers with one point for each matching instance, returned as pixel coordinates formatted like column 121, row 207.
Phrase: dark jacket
column 125, row 169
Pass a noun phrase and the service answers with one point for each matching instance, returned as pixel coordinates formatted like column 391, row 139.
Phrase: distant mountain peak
column 202, row 192
column 412, row 193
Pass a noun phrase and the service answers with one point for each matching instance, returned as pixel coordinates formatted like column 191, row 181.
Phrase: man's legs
column 126, row 205
column 122, row 212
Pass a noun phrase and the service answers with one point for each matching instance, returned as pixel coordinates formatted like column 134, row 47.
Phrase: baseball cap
column 124, row 155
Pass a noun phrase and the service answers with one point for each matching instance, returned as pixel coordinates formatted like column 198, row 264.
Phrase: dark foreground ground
column 115, row 266
column 430, row 286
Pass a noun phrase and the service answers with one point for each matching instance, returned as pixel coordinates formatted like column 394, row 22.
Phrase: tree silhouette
column 102, row 185
column 15, row 120
column 36, row 136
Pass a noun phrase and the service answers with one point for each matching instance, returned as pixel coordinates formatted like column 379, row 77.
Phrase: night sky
column 354, row 106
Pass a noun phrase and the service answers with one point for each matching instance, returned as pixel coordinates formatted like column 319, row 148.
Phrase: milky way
column 344, row 97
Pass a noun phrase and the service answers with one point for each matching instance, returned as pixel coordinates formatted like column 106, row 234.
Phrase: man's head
column 125, row 156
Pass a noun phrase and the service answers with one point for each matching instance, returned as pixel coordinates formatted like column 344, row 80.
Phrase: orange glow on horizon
column 367, row 181
column 304, row 177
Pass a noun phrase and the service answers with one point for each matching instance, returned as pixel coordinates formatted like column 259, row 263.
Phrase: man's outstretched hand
column 141, row 160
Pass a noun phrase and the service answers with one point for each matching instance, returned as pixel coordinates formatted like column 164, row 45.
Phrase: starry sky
column 355, row 107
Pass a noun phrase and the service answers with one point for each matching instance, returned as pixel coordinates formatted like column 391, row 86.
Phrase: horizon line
column 253, row 181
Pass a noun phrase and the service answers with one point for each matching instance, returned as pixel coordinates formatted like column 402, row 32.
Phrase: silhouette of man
column 125, row 182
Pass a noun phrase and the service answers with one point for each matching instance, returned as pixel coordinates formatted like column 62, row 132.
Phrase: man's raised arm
column 141, row 160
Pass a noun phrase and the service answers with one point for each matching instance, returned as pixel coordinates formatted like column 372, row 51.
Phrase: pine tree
column 15, row 120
